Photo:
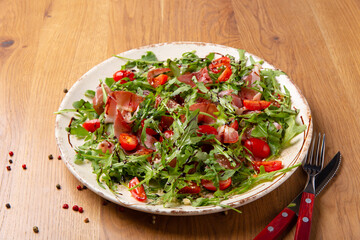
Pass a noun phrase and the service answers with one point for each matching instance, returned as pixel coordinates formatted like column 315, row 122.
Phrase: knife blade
column 284, row 218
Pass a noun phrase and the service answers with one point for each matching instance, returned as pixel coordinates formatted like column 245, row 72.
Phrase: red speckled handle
column 303, row 225
column 277, row 226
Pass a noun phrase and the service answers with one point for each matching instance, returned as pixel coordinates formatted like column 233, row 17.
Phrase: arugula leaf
column 292, row 130
column 149, row 57
column 90, row 93
column 174, row 68
column 109, row 82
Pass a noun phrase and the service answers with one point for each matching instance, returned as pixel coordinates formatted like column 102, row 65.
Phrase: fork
column 312, row 166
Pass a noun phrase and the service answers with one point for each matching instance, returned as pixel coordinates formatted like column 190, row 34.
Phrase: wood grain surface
column 46, row 45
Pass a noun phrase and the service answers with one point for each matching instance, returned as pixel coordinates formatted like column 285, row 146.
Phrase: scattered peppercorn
column 8, row 168
column 10, row 161
column 24, row 166
column 81, row 210
column 11, row 153
column 51, row 157
column 75, row 208
column 86, row 220
column 65, row 90
column 59, row 157
column 35, row 229
column 84, row 187
column 79, row 187
column 58, row 186
column 8, row 205
column 65, row 206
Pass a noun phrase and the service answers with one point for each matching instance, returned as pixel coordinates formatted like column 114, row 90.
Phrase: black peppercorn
column 35, row 229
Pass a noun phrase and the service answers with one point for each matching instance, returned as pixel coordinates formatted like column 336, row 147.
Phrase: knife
column 278, row 225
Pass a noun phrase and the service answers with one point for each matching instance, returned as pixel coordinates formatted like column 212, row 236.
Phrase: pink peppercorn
column 11, row 153
column 75, row 208
column 24, row 166
column 81, row 210
column 65, row 206
column 79, row 187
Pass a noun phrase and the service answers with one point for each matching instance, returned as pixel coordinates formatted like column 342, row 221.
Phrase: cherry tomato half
column 218, row 63
column 225, row 75
column 207, row 129
column 160, row 80
column 209, row 185
column 139, row 192
column 128, row 141
column 256, row 105
column 234, row 125
column 119, row 75
column 192, row 188
column 257, row 147
column 91, row 125
column 269, row 166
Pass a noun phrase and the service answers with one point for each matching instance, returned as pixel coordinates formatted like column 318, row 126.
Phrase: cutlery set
column 302, row 206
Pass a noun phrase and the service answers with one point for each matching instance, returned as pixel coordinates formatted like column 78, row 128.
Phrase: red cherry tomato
column 149, row 131
column 192, row 188
column 167, row 134
column 225, row 75
column 91, row 125
column 257, row 147
column 209, row 185
column 269, row 166
column 218, row 63
column 139, row 192
column 256, row 105
column 234, row 125
column 128, row 141
column 157, row 72
column 160, row 80
column 119, row 75
column 207, row 129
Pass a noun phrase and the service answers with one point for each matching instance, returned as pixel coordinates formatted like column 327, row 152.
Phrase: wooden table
column 46, row 45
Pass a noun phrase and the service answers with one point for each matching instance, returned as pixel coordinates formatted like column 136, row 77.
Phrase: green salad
column 188, row 130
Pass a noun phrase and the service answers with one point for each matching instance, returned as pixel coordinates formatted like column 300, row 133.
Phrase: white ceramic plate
column 90, row 80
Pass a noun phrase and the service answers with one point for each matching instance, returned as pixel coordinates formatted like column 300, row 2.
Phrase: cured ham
column 98, row 100
column 110, row 110
column 106, row 146
column 120, row 125
column 126, row 102
column 170, row 103
column 227, row 134
column 150, row 141
column 251, row 80
column 202, row 76
column 205, row 107
column 236, row 101
column 186, row 78
column 225, row 163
